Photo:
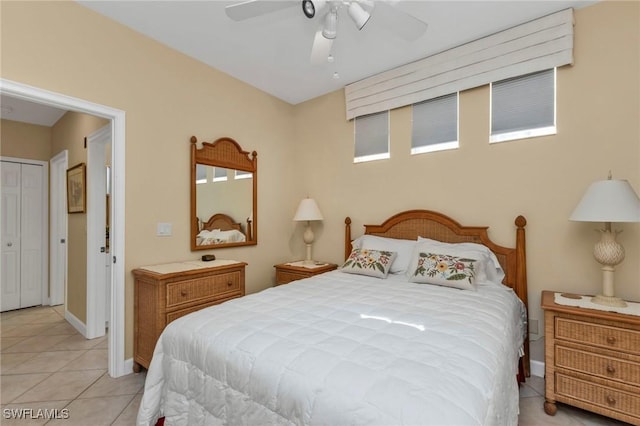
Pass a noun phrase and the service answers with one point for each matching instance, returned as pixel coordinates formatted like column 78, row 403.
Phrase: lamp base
column 307, row 262
column 609, row 301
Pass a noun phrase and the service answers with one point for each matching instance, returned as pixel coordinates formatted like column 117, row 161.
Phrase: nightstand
column 287, row 272
column 592, row 360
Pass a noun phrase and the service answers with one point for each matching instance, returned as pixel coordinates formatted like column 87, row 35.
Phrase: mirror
column 224, row 182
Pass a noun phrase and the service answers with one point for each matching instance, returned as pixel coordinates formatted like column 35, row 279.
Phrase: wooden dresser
column 287, row 272
column 592, row 360
column 163, row 293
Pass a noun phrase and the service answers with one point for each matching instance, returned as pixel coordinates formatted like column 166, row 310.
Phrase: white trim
column 75, row 322
column 537, row 368
column 443, row 146
column 372, row 157
column 57, row 189
column 128, row 365
column 537, row 45
column 117, row 246
column 522, row 134
column 44, row 245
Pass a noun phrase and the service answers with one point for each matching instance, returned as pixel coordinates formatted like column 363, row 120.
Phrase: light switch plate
column 163, row 229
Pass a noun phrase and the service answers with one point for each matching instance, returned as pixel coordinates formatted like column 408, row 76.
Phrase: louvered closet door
column 22, row 234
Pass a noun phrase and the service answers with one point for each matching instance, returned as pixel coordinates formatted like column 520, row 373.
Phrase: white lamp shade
column 308, row 210
column 608, row 201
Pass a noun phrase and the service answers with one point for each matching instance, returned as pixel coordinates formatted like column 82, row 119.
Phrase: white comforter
column 341, row 349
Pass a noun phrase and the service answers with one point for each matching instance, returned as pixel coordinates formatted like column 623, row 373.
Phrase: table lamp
column 307, row 211
column 608, row 201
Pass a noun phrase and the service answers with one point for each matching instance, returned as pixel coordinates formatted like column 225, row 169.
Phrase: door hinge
column 114, row 259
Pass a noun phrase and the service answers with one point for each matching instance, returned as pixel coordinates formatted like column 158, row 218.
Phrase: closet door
column 22, row 234
column 10, row 235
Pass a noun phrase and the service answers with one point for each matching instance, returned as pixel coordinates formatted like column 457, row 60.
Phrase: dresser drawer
column 598, row 335
column 598, row 365
column 602, row 396
column 202, row 288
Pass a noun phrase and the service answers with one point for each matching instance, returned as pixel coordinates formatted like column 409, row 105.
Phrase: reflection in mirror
column 223, row 195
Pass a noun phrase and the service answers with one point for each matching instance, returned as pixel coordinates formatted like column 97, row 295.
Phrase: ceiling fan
column 359, row 11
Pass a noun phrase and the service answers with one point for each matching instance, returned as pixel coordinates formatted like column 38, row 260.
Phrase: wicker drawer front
column 284, row 277
column 598, row 365
column 598, row 335
column 202, row 288
column 602, row 396
column 182, row 312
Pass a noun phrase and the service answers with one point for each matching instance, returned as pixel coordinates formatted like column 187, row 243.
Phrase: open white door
column 97, row 255
column 58, row 222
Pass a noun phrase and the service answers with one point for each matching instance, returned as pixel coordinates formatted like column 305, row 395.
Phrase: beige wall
column 167, row 98
column 481, row 184
column 308, row 149
column 69, row 133
column 22, row 140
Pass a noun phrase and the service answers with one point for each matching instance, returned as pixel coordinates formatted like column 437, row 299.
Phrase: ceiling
column 272, row 52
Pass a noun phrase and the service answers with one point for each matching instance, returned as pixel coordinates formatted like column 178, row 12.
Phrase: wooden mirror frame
column 227, row 153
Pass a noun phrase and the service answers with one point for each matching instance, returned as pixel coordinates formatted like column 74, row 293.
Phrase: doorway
column 117, row 364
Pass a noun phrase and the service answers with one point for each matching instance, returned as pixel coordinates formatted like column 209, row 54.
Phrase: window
column 219, row 174
column 435, row 124
column 201, row 173
column 523, row 107
column 241, row 174
column 371, row 137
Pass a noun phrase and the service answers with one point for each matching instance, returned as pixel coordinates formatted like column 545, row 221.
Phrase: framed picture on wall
column 77, row 189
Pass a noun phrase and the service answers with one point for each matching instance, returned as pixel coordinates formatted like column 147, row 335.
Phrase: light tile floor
column 47, row 364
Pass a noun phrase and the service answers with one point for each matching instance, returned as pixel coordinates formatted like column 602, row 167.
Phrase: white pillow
column 402, row 248
column 487, row 270
column 374, row 263
column 495, row 274
column 445, row 270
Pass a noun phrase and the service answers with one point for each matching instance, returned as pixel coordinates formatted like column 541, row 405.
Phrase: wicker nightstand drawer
column 602, row 396
column 598, row 335
column 592, row 360
column 287, row 272
column 607, row 367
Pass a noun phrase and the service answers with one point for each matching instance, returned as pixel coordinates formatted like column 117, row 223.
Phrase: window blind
column 435, row 124
column 372, row 137
column 537, row 45
column 523, row 103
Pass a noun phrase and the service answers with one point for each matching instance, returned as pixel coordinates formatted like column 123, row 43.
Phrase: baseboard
column 128, row 366
column 76, row 323
column 537, row 368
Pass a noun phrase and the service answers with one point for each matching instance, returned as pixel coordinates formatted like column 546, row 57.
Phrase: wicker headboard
column 222, row 222
column 412, row 224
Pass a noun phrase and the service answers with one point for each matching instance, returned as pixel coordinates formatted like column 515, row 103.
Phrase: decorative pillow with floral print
column 445, row 270
column 374, row 263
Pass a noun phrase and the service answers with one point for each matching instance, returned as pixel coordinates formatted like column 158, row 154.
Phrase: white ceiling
column 272, row 52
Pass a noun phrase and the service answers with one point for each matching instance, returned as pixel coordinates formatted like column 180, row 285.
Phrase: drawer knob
column 611, row 340
column 229, row 283
column 611, row 400
column 183, row 293
column 611, row 369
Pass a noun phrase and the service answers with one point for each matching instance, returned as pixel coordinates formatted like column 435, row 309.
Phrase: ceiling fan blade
column 252, row 8
column 398, row 22
column 321, row 48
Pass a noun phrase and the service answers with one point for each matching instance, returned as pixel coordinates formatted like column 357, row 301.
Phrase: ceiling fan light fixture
column 311, row 7
column 330, row 24
column 358, row 15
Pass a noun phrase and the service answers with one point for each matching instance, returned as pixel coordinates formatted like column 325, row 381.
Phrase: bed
column 220, row 229
column 353, row 348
